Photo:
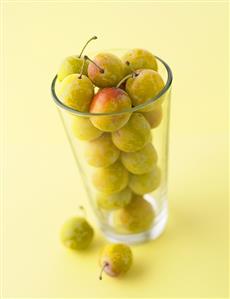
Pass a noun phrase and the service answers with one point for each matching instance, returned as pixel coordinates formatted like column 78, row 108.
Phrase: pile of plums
column 117, row 139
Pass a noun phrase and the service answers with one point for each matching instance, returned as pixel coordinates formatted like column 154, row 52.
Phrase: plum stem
column 100, row 69
column 83, row 211
column 126, row 78
column 102, row 270
column 133, row 71
column 82, row 68
column 92, row 38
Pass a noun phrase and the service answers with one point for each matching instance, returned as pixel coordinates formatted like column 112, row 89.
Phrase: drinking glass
column 119, row 224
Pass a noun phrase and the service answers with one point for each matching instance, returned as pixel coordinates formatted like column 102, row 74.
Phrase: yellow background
column 42, row 186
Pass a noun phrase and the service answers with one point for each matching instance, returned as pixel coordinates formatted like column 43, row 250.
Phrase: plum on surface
column 76, row 233
column 115, row 259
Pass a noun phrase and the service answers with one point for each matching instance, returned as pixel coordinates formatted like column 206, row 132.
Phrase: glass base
column 157, row 229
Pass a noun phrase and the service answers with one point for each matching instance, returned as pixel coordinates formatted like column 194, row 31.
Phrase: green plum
column 83, row 129
column 154, row 117
column 114, row 201
column 73, row 64
column 77, row 92
column 105, row 70
column 138, row 216
column 115, row 259
column 109, row 100
column 144, row 86
column 134, row 135
column 111, row 179
column 101, row 152
column 145, row 183
column 76, row 233
column 139, row 59
column 141, row 161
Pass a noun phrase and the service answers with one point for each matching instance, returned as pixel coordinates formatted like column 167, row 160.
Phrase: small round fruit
column 72, row 65
column 77, row 233
column 114, row 201
column 109, row 100
column 139, row 59
column 101, row 152
column 77, row 92
column 154, row 117
column 111, row 179
column 116, row 259
column 134, row 135
column 106, row 70
column 136, row 217
column 145, row 183
column 143, row 87
column 141, row 161
column 83, row 129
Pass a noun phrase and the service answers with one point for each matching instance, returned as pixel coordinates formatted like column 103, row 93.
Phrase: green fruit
column 105, row 70
column 77, row 92
column 136, row 217
column 145, row 183
column 101, row 152
column 116, row 259
column 76, row 233
column 114, row 201
column 139, row 59
column 144, row 87
column 154, row 117
column 83, row 129
column 134, row 135
column 140, row 162
column 72, row 65
column 110, row 100
column 111, row 179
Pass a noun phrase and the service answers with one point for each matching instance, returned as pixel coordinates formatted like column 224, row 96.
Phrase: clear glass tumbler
column 127, row 189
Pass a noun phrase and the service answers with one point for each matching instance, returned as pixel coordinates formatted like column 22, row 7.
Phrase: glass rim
column 168, row 84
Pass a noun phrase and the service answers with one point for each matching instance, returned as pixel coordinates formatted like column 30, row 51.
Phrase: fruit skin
column 145, row 183
column 101, row 152
column 83, row 129
column 108, row 100
column 76, row 233
column 143, row 87
column 113, row 70
column 116, row 259
column 139, row 59
column 141, row 161
column 72, row 65
column 136, row 217
column 154, row 117
column 134, row 135
column 77, row 92
column 114, row 201
column 111, row 179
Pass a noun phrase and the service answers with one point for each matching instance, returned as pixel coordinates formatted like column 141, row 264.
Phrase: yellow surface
column 42, row 186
